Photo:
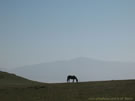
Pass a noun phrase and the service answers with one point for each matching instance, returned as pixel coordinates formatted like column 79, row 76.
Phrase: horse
column 73, row 77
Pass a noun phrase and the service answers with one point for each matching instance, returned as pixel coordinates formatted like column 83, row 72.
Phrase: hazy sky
column 35, row 31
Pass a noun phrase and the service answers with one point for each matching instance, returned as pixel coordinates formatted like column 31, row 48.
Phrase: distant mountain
column 86, row 69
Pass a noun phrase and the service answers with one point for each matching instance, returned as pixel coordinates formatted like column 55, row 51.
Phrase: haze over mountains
column 86, row 69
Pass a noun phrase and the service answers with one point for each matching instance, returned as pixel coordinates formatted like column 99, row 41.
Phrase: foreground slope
column 84, row 91
column 8, row 79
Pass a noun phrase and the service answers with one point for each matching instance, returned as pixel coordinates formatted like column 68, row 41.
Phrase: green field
column 14, row 88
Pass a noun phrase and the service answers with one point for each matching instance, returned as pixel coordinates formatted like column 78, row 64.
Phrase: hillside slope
column 123, row 90
column 12, row 79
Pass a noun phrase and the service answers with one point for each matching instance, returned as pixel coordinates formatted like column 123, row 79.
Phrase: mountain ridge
column 85, row 68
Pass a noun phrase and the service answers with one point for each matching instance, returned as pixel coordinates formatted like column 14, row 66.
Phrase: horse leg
column 68, row 80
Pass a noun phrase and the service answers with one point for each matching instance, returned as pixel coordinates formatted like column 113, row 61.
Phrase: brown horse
column 73, row 77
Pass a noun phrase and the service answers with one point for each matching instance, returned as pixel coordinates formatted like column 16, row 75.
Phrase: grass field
column 14, row 88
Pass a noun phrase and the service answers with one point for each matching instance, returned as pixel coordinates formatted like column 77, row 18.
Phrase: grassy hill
column 8, row 79
column 26, row 90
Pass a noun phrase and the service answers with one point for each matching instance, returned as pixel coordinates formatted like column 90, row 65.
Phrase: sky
column 36, row 31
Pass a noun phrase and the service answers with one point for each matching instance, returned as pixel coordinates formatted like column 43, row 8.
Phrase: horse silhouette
column 73, row 77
